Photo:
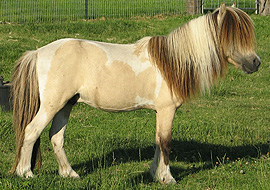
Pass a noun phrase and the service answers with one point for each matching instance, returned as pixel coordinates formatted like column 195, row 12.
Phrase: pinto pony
column 158, row 73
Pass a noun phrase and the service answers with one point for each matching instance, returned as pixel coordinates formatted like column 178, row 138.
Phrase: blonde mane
column 191, row 58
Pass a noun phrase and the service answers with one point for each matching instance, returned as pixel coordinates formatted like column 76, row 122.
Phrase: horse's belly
column 116, row 101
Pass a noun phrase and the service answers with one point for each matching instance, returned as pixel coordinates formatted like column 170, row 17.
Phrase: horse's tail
column 26, row 102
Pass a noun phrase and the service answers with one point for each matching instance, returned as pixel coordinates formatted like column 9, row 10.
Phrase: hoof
column 26, row 174
column 163, row 176
column 29, row 174
column 71, row 173
column 168, row 180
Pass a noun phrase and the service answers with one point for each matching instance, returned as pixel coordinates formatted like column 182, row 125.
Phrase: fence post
column 193, row 6
column 264, row 7
column 86, row 9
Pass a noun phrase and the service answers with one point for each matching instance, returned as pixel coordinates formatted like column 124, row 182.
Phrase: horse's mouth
column 246, row 70
column 247, row 67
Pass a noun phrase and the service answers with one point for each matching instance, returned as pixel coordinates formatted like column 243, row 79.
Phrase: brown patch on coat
column 118, row 86
column 81, row 68
column 63, row 76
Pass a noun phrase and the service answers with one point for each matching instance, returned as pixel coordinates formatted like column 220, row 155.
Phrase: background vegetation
column 62, row 10
column 220, row 141
column 22, row 11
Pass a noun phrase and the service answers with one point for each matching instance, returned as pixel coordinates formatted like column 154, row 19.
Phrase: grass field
column 220, row 141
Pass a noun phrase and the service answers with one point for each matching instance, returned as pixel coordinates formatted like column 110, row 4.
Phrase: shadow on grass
column 182, row 151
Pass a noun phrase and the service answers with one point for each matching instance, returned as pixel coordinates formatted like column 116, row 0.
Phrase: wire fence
column 22, row 11
column 41, row 10
column 61, row 10
column 246, row 5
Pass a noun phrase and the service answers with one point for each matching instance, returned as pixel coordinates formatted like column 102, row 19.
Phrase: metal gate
column 246, row 5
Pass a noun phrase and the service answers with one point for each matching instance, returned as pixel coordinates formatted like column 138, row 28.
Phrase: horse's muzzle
column 251, row 66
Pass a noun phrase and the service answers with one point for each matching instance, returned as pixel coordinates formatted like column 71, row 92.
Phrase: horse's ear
column 222, row 10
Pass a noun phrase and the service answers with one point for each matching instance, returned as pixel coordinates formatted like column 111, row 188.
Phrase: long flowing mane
column 191, row 58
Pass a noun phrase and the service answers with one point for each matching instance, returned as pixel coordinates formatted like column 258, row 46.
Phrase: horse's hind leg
column 32, row 132
column 57, row 138
column 160, row 169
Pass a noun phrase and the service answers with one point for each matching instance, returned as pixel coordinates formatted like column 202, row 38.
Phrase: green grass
column 46, row 10
column 220, row 141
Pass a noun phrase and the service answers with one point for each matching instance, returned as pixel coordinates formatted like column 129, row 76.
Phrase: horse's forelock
column 237, row 31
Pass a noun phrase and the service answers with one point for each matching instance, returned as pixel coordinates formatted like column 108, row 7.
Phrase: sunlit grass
column 220, row 141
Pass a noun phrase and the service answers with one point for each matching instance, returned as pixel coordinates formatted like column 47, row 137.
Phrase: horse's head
column 237, row 38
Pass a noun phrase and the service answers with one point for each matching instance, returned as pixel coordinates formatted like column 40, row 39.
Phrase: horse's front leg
column 160, row 169
column 57, row 132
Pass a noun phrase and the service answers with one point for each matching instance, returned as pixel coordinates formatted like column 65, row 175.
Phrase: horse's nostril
column 257, row 62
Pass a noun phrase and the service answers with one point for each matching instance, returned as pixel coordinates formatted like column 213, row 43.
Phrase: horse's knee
column 30, row 134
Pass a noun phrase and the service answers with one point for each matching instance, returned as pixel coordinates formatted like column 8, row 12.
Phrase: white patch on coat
column 44, row 60
column 123, row 53
column 159, row 80
column 140, row 102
